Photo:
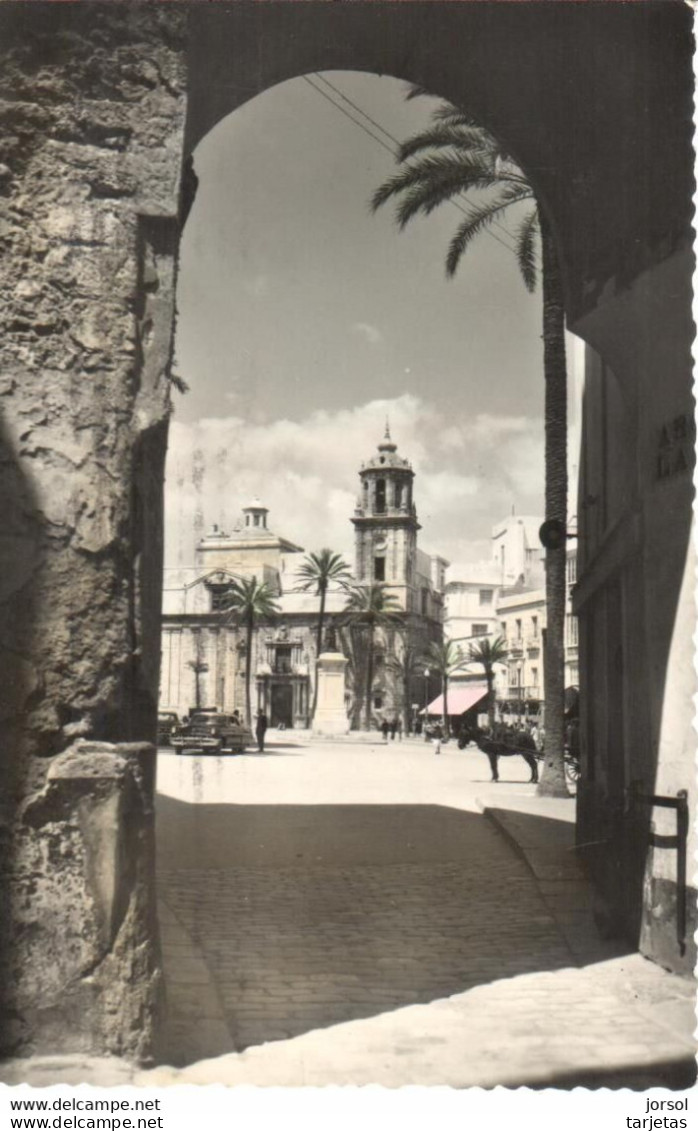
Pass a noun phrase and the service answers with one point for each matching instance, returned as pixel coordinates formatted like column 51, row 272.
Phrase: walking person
column 438, row 735
column 261, row 730
column 393, row 729
column 385, row 727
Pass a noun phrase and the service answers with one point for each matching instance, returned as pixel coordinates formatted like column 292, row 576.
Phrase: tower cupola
column 255, row 515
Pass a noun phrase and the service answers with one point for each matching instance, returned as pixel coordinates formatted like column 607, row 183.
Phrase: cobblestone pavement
column 351, row 890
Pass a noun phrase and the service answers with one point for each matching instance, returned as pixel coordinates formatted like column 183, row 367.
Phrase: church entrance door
column 281, row 705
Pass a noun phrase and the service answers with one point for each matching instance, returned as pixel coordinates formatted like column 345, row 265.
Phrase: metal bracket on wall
column 658, row 840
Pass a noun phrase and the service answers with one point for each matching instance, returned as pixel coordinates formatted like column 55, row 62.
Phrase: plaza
column 369, row 912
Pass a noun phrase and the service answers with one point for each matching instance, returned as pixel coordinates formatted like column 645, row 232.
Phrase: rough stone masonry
column 92, row 102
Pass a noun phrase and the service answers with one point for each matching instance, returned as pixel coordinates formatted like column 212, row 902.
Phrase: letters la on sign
column 675, row 447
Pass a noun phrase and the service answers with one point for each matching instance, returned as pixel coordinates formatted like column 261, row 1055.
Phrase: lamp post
column 519, row 668
column 426, row 696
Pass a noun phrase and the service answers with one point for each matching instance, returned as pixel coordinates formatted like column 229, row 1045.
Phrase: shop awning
column 459, row 699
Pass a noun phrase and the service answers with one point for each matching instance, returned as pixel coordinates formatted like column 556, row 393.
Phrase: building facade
column 203, row 649
column 506, row 598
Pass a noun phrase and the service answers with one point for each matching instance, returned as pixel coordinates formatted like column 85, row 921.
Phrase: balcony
column 533, row 643
column 516, row 646
column 522, row 694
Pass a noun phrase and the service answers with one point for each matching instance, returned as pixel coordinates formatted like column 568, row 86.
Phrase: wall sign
column 675, row 448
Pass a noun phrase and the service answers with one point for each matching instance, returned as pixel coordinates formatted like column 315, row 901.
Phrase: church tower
column 385, row 523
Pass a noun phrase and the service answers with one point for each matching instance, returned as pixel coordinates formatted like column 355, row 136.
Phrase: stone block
column 84, row 973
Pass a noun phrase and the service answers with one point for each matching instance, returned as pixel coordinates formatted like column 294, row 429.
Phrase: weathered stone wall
column 92, row 101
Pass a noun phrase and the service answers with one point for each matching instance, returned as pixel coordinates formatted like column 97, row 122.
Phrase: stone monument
column 330, row 712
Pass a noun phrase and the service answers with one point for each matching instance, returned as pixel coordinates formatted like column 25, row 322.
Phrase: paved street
column 358, row 890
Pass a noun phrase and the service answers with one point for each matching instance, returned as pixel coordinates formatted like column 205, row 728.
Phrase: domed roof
column 387, row 456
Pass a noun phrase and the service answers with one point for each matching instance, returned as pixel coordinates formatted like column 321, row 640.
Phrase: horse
column 511, row 742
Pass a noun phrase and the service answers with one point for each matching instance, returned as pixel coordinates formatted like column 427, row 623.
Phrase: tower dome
column 256, row 514
column 387, row 456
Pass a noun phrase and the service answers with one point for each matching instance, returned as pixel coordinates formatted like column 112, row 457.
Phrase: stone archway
column 102, row 105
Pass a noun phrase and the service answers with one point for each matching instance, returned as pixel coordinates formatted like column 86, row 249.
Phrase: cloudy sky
column 305, row 320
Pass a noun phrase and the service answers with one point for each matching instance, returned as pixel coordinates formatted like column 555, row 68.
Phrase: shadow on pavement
column 300, row 917
column 678, row 1074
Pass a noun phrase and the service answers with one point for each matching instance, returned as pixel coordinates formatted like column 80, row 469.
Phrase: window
column 378, row 702
column 479, row 630
column 486, row 596
column 425, row 601
column 282, row 659
column 380, row 496
column 534, row 677
column 534, row 627
column 572, row 570
column 398, row 495
column 379, row 569
column 219, row 598
column 518, row 629
column 572, row 631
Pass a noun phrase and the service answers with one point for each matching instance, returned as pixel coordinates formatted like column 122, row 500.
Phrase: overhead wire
column 345, row 97
column 394, row 148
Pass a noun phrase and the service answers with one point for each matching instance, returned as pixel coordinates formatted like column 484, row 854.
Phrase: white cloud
column 467, row 474
column 371, row 333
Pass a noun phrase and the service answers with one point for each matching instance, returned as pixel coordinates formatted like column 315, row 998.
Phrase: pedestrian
column 261, row 730
column 393, row 730
column 385, row 727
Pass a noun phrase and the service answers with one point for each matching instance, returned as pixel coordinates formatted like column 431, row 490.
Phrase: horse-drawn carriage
column 507, row 741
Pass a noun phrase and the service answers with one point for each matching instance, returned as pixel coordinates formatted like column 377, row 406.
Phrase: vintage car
column 211, row 732
column 167, row 722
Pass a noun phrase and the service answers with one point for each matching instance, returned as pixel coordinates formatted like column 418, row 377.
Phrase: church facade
column 203, row 649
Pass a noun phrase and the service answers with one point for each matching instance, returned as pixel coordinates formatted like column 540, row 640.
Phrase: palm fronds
column 526, row 249
column 427, row 183
column 460, row 138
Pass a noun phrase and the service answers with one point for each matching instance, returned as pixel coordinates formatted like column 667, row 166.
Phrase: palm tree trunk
column 445, row 704
column 406, row 705
column 248, row 671
column 369, row 679
column 489, row 676
column 552, row 782
column 318, row 648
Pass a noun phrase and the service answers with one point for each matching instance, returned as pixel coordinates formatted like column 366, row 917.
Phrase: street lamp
column 519, row 668
column 426, row 695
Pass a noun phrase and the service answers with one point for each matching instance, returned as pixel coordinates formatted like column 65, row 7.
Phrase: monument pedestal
column 331, row 713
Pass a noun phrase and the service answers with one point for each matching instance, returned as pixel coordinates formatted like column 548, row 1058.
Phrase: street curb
column 487, row 812
column 489, row 815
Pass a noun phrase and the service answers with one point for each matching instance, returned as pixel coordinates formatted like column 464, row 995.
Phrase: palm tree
column 457, row 155
column 198, row 666
column 405, row 665
column 488, row 653
column 444, row 657
column 317, row 572
column 370, row 607
column 248, row 601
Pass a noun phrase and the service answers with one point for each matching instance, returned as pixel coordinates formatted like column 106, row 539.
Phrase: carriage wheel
column 572, row 770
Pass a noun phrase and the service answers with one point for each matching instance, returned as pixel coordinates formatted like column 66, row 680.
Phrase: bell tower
column 385, row 524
